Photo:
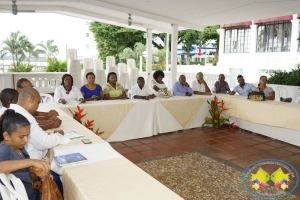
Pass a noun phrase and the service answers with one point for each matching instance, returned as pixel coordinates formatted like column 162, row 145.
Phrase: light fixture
column 14, row 8
column 129, row 20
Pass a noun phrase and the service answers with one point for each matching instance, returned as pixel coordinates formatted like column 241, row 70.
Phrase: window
column 87, row 23
column 87, row 34
column 237, row 40
column 274, row 37
column 87, row 46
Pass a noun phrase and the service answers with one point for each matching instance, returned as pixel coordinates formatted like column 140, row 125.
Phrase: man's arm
column 190, row 90
column 207, row 90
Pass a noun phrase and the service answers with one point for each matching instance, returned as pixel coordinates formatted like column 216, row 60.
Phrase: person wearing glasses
column 67, row 92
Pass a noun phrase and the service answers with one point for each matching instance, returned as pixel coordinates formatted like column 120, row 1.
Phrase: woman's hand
column 62, row 101
column 41, row 165
column 82, row 100
column 94, row 96
column 155, row 88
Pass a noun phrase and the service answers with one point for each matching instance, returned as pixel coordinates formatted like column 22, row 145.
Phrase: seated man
column 38, row 141
column 222, row 86
column 199, row 86
column 182, row 88
column 140, row 91
column 8, row 96
column 243, row 88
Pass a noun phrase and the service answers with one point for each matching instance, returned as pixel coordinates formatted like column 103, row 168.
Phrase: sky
column 66, row 31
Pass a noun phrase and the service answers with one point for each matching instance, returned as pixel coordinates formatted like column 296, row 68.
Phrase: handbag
column 289, row 100
column 47, row 187
column 164, row 93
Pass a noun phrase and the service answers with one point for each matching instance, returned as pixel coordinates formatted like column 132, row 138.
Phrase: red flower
column 89, row 124
column 232, row 126
column 79, row 113
column 212, row 108
column 216, row 100
column 99, row 133
column 217, row 116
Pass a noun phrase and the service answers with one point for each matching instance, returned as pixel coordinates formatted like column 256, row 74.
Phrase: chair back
column 46, row 98
column 12, row 187
column 122, row 67
column 98, row 64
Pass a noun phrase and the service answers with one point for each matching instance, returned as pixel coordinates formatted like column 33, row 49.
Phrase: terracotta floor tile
column 212, row 136
column 235, row 137
column 225, row 147
column 132, row 143
column 173, row 142
column 176, row 136
column 269, row 155
column 292, row 148
column 253, row 150
column 240, row 153
column 277, row 144
column 199, row 137
column 241, row 162
column 183, row 147
column 237, row 144
column 250, row 142
column 294, row 163
column 264, row 147
column 168, row 150
column 211, row 150
column 281, row 152
column 162, row 138
column 125, row 150
column 262, row 139
column 198, row 145
column 225, row 156
column 147, row 140
column 223, row 140
column 134, row 156
column 223, row 133
column 189, row 134
column 117, row 145
column 253, row 158
column 211, row 142
column 143, row 147
column 157, row 145
column 152, row 153
column 249, row 135
column 186, row 140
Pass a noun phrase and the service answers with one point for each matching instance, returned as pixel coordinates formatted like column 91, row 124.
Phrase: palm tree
column 126, row 54
column 32, row 51
column 50, row 49
column 139, row 48
column 2, row 54
column 14, row 45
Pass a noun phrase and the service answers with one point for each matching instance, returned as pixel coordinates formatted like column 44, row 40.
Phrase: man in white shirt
column 199, row 86
column 140, row 91
column 39, row 141
column 242, row 88
column 8, row 96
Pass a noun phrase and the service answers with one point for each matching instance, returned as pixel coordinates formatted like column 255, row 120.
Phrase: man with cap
column 199, row 86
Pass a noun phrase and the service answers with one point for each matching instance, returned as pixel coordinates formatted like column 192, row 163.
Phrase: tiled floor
column 237, row 148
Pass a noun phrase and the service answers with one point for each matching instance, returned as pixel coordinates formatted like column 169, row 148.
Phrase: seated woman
column 262, row 86
column 14, row 131
column 112, row 89
column 157, row 85
column 91, row 90
column 67, row 92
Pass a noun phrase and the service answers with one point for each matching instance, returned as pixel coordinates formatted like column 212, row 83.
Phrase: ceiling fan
column 130, row 22
column 15, row 9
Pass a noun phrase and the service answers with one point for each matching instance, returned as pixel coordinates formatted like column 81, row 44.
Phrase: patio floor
column 236, row 148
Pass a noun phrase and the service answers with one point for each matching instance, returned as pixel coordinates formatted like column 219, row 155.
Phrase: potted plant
column 215, row 110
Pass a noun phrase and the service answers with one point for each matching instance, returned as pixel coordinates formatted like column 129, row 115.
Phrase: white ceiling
column 160, row 14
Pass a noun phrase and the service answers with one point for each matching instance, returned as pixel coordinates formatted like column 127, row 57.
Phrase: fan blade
column 137, row 23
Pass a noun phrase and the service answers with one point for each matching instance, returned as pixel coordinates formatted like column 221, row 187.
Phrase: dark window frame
column 246, row 42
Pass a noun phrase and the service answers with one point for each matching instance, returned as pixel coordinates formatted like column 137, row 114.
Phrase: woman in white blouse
column 157, row 83
column 67, row 92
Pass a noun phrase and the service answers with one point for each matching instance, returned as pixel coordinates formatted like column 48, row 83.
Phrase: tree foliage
column 111, row 40
column 50, row 49
column 56, row 65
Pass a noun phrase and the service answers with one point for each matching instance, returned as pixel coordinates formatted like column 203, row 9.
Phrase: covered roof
column 159, row 15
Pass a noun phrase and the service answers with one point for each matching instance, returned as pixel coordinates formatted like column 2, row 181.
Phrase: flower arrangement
column 77, row 115
column 215, row 110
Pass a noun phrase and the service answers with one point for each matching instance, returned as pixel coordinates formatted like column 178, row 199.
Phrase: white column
column 250, row 73
column 294, row 37
column 174, row 54
column 221, row 46
column 149, row 55
column 167, row 53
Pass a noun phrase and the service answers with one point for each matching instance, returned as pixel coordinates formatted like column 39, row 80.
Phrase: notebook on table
column 73, row 134
column 68, row 159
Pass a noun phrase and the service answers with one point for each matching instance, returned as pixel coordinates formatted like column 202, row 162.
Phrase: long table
column 107, row 175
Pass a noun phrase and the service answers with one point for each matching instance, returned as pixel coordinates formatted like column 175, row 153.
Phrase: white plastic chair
column 131, row 63
column 100, row 77
column 110, row 61
column 282, row 92
column 46, row 98
column 134, row 74
column 9, row 191
column 113, row 69
column 98, row 64
column 122, row 68
column 297, row 98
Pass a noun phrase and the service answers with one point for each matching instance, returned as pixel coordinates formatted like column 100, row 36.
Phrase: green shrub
column 22, row 68
column 286, row 78
column 156, row 67
column 57, row 66
column 210, row 59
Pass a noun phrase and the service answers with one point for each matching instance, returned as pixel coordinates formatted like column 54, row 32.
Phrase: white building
column 255, row 47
